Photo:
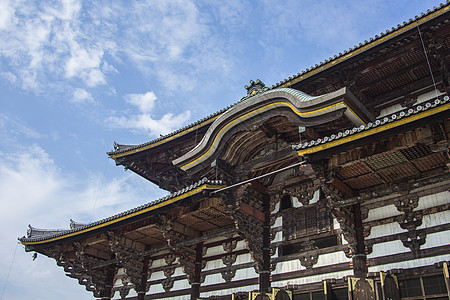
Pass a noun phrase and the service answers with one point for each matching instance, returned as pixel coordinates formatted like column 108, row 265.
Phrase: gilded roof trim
column 196, row 188
column 301, row 104
column 419, row 111
column 357, row 49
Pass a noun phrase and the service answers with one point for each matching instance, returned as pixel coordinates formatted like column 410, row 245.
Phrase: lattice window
column 306, row 221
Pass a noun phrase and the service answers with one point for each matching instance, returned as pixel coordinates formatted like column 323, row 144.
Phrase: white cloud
column 81, row 96
column 44, row 41
column 12, row 129
column 143, row 121
column 35, row 190
column 145, row 102
column 6, row 14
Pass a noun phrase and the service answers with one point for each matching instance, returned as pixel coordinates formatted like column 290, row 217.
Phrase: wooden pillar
column 359, row 258
column 109, row 282
column 195, row 285
column 141, row 293
column 264, row 275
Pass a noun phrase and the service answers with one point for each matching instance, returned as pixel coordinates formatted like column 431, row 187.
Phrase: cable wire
column 9, row 271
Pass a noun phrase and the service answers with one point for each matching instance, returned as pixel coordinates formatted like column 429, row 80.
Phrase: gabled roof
column 123, row 150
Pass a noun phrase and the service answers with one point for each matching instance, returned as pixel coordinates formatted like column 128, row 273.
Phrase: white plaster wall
column 382, row 213
column 437, row 239
column 245, row 274
column 156, row 288
column 228, row 291
column 428, row 96
column 157, row 275
column 435, row 219
column 160, row 263
column 295, row 202
column 178, row 272
column 323, row 260
column 213, row 279
column 218, row 263
column 213, row 265
column 180, row 284
column 390, row 110
column 388, row 248
column 243, row 258
column 336, row 224
column 311, row 279
column 332, row 259
column 411, row 263
column 277, row 208
column 278, row 222
column 397, row 107
column 433, row 200
column 217, row 250
column 278, row 237
column 385, row 229
column 288, row 266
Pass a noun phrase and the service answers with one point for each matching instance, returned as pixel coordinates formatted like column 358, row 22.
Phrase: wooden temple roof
column 369, row 121
column 387, row 70
column 38, row 236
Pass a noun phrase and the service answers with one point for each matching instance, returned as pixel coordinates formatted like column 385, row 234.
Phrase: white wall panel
column 410, row 263
column 433, row 200
column 278, row 222
column 157, row 275
column 388, row 248
column 245, row 274
column 213, row 265
column 159, row 263
column 435, row 219
column 243, row 259
column 178, row 272
column 213, row 279
column 156, row 288
column 132, row 293
column 336, row 224
column 288, row 266
column 180, row 284
column 382, row 213
column 217, row 250
column 311, row 279
column 385, row 229
column 278, row 237
column 228, row 291
column 295, row 202
column 437, row 239
column 332, row 259
column 277, row 208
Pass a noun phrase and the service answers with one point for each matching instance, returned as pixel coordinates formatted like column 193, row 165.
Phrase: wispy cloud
column 143, row 120
column 39, row 193
column 41, row 41
column 81, row 96
column 11, row 129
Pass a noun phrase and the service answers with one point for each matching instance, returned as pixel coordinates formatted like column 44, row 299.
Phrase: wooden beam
column 251, row 211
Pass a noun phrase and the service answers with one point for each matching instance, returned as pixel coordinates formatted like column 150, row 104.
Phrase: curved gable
column 307, row 110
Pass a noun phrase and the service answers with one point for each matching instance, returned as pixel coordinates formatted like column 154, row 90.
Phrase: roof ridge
column 360, row 45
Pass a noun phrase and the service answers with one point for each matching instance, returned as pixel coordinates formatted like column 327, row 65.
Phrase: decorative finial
column 255, row 88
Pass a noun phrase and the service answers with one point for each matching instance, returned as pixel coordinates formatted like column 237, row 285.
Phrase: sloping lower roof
column 41, row 236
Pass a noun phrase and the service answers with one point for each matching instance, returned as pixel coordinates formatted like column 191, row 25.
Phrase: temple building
column 332, row 184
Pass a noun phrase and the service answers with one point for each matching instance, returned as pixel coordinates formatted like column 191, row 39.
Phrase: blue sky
column 75, row 76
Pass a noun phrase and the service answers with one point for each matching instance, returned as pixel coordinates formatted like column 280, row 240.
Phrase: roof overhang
column 307, row 110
